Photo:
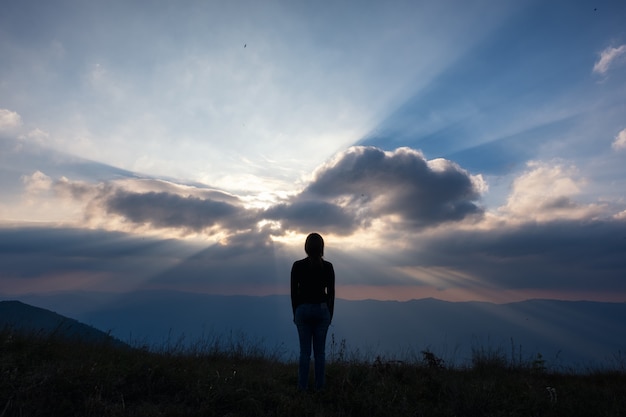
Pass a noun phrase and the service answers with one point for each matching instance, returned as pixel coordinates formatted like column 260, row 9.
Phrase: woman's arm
column 294, row 289
column 331, row 290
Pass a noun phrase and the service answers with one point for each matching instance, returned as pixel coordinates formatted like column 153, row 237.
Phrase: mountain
column 25, row 318
column 568, row 334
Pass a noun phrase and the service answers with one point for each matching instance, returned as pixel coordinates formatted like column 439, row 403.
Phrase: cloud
column 381, row 213
column 559, row 256
column 401, row 187
column 37, row 182
column 562, row 255
column 546, row 192
column 150, row 204
column 167, row 210
column 620, row 141
column 607, row 58
column 37, row 136
column 314, row 215
column 9, row 120
column 248, row 262
column 82, row 259
column 359, row 187
column 98, row 260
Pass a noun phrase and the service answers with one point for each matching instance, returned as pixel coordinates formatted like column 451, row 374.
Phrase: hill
column 19, row 317
column 44, row 375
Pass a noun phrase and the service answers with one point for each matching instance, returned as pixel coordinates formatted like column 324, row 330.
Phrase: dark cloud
column 33, row 252
column 74, row 259
column 247, row 260
column 361, row 185
column 366, row 183
column 563, row 256
column 572, row 255
column 105, row 190
column 314, row 215
column 167, row 210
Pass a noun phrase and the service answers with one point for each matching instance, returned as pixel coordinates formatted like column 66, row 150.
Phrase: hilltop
column 58, row 376
column 27, row 319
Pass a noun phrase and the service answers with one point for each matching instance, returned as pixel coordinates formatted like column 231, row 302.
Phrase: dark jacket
column 312, row 282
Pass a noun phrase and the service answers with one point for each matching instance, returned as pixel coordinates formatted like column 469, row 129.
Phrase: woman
column 312, row 301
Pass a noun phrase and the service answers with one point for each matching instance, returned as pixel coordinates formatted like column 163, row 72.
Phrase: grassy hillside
column 36, row 320
column 52, row 376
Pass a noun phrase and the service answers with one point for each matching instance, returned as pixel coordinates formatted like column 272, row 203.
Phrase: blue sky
column 458, row 150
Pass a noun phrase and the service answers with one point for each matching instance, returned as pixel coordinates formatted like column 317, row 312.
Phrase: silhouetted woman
column 312, row 301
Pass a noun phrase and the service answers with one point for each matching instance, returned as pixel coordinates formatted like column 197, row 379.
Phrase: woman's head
column 314, row 245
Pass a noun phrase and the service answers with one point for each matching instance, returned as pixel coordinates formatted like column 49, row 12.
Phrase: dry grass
column 55, row 377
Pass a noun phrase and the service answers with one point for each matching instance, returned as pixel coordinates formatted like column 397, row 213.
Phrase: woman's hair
column 314, row 245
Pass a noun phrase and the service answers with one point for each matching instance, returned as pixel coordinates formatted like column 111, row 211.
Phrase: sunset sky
column 462, row 150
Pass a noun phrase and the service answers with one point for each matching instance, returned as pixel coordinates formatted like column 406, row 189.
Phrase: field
column 54, row 376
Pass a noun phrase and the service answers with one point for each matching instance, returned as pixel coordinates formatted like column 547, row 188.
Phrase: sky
column 461, row 150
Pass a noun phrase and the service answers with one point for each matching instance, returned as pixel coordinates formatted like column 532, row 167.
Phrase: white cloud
column 607, row 57
column 620, row 141
column 546, row 192
column 37, row 136
column 9, row 120
column 37, row 182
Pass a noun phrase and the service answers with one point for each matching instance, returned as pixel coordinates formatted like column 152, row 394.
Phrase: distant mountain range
column 24, row 318
column 568, row 334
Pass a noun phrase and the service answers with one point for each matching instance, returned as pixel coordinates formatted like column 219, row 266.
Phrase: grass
column 52, row 376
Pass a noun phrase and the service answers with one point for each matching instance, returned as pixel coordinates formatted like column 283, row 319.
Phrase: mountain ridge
column 565, row 333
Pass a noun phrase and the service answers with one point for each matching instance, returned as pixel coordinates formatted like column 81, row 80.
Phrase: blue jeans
column 312, row 321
